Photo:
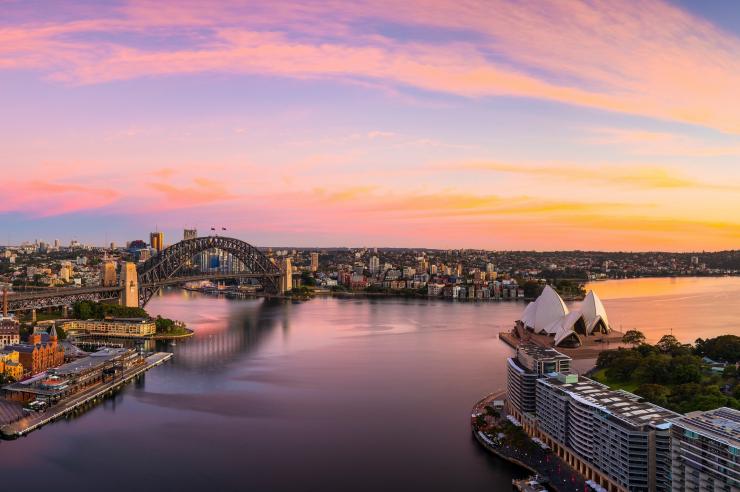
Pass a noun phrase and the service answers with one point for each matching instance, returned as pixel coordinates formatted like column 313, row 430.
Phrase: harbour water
column 360, row 394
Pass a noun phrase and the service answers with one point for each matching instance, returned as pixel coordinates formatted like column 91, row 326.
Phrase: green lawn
column 600, row 376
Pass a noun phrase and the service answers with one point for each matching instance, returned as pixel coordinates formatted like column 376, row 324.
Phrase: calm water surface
column 328, row 394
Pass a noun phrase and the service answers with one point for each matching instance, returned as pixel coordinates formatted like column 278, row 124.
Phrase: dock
column 34, row 421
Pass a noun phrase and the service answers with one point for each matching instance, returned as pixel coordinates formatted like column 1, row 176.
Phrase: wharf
column 34, row 421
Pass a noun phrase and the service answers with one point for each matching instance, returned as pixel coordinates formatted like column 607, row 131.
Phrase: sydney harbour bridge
column 173, row 265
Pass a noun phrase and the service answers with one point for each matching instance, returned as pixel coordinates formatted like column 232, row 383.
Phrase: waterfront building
column 613, row 438
column 40, row 353
column 548, row 315
column 705, row 449
column 108, row 273
column 314, row 261
column 156, row 241
column 114, row 327
column 530, row 363
column 10, row 364
column 72, row 377
column 9, row 330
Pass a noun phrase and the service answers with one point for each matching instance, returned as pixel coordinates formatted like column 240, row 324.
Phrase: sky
column 529, row 124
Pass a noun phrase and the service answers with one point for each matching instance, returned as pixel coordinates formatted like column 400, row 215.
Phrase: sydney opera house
column 548, row 315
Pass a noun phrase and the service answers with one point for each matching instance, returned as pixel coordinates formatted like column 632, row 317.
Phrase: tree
column 724, row 348
column 668, row 343
column 532, row 289
column 634, row 337
column 685, row 369
column 654, row 393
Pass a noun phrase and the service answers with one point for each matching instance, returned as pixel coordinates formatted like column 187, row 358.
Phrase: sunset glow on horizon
column 472, row 124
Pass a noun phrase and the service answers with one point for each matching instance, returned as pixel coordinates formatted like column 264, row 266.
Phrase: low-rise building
column 10, row 365
column 9, row 331
column 67, row 379
column 113, row 327
column 40, row 352
column 705, row 449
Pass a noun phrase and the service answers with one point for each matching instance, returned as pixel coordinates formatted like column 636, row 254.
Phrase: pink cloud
column 651, row 59
column 41, row 198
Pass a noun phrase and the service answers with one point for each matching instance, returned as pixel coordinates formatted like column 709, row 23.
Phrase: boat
column 530, row 484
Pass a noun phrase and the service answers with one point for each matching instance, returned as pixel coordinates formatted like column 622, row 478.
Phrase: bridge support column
column 130, row 284
column 286, row 279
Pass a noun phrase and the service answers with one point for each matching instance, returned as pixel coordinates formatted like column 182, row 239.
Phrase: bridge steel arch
column 163, row 268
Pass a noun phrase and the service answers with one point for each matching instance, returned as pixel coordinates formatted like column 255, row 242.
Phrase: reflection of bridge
column 173, row 265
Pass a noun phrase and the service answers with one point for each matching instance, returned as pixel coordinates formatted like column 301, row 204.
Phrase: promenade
column 530, row 456
column 33, row 421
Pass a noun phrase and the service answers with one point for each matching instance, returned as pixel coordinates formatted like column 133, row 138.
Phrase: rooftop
column 92, row 361
column 538, row 352
column 620, row 404
column 722, row 424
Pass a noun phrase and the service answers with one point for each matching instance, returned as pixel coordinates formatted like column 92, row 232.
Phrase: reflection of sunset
column 690, row 307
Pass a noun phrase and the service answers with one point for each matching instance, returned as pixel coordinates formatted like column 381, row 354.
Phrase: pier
column 34, row 421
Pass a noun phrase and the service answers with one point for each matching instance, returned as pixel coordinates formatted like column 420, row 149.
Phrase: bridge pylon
column 130, row 285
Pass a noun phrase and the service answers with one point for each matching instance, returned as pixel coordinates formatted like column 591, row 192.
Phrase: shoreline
column 479, row 408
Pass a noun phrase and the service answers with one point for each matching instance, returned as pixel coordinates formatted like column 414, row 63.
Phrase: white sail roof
column 528, row 315
column 541, row 313
column 565, row 326
column 593, row 311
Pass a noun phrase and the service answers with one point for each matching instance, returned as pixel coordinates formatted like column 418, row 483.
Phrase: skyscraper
column 314, row 261
column 156, row 241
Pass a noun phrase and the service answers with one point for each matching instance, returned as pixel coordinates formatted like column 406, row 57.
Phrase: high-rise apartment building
column 705, row 449
column 314, row 261
column 108, row 273
column 374, row 265
column 613, row 438
column 156, row 241
column 531, row 363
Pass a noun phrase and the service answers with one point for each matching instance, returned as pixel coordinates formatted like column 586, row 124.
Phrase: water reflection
column 359, row 394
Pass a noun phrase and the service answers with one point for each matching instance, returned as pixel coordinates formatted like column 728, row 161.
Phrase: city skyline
column 499, row 126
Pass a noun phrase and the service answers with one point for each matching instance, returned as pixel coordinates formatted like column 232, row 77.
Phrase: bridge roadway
column 66, row 296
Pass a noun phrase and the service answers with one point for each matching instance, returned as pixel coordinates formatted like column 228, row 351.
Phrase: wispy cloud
column 651, row 59
column 655, row 143
column 628, row 176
